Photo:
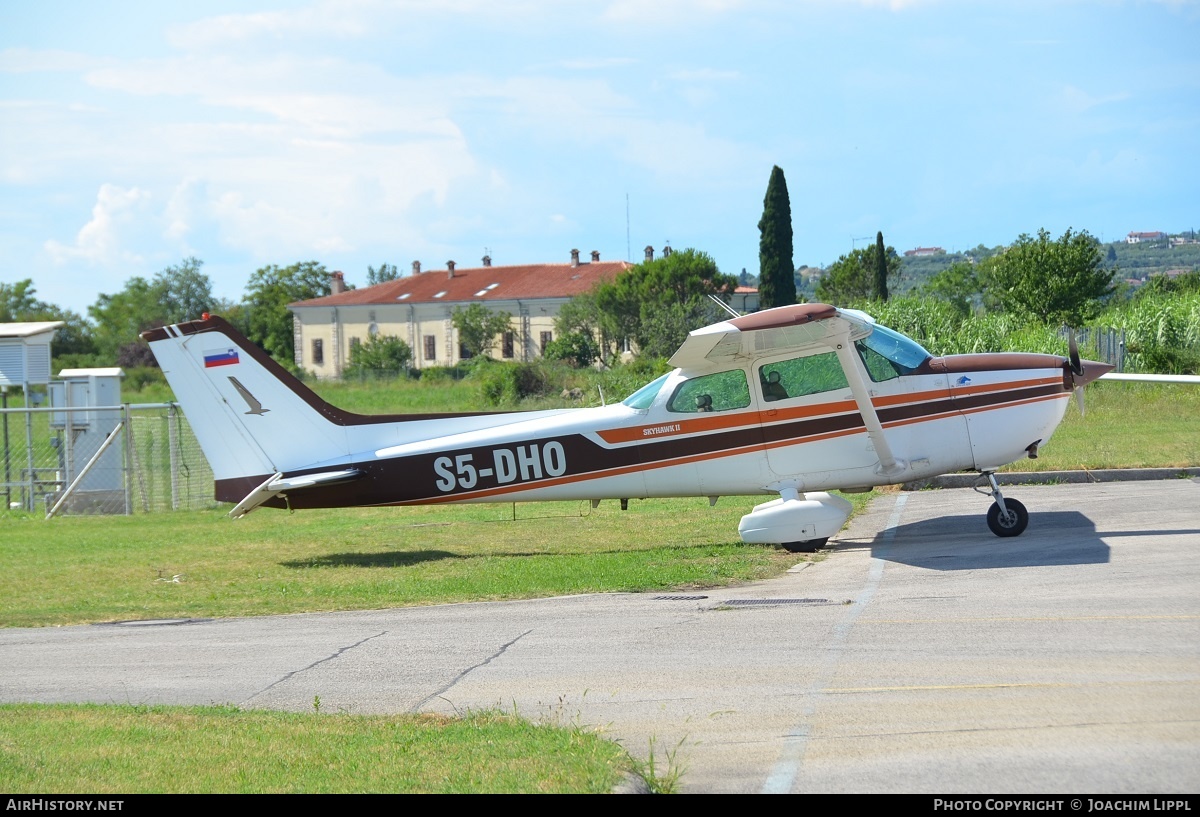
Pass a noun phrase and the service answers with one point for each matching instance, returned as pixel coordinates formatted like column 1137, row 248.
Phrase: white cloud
column 322, row 19
column 1076, row 100
column 29, row 61
column 704, row 75
column 667, row 11
column 100, row 240
column 346, row 19
column 598, row 63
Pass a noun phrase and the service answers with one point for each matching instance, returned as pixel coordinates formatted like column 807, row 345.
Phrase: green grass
column 194, row 564
column 101, row 750
column 1125, row 425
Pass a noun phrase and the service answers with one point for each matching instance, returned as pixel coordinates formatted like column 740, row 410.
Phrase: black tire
column 1013, row 524
column 807, row 546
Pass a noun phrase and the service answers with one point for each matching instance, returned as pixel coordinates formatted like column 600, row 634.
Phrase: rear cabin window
column 712, row 392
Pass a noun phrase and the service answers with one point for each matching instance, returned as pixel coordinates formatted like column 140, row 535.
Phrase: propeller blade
column 1073, row 351
column 1079, row 399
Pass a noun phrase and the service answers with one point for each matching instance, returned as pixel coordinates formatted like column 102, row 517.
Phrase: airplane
column 791, row 402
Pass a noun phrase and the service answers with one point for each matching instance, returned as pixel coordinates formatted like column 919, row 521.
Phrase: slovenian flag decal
column 225, row 358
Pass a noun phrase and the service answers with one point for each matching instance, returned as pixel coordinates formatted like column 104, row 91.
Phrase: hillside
column 1135, row 262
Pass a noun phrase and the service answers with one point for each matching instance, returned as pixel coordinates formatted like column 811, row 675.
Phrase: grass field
column 1125, row 425
column 103, row 750
column 200, row 563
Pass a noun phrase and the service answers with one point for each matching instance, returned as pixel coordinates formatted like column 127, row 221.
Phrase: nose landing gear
column 1006, row 517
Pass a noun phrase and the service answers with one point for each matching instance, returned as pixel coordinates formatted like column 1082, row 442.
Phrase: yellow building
column 417, row 309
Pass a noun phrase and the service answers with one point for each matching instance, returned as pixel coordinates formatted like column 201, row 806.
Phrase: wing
column 786, row 328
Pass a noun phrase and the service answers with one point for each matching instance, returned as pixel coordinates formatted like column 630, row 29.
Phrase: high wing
column 789, row 328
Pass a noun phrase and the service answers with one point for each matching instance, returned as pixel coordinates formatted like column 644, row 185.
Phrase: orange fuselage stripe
column 713, row 424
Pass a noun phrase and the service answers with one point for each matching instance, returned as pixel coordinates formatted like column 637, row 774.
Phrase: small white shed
column 25, row 352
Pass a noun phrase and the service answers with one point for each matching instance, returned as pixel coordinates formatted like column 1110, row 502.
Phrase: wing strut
column 854, row 371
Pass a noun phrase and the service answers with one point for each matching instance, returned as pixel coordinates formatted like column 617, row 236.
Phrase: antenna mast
column 628, row 253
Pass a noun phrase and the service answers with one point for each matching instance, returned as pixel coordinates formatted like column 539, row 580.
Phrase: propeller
column 1076, row 368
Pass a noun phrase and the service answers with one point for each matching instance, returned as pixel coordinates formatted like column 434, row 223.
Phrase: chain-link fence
column 1108, row 343
column 102, row 460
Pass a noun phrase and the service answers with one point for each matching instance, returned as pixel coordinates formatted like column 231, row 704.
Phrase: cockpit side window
column 712, row 392
column 801, row 376
column 878, row 366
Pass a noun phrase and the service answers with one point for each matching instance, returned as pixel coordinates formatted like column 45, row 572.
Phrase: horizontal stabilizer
column 279, row 484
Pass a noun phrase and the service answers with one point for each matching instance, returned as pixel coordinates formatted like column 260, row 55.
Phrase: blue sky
column 134, row 135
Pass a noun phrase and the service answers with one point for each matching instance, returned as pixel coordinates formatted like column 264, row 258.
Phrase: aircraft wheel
column 1011, row 524
column 807, row 546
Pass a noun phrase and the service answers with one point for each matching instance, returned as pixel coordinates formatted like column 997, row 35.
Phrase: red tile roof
column 481, row 284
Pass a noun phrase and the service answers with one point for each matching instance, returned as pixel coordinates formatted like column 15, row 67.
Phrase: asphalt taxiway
column 918, row 654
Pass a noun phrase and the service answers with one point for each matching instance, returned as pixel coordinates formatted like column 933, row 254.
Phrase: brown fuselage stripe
column 411, row 480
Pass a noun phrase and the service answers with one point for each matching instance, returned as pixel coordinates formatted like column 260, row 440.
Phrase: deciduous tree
column 958, row 285
column 184, row 292
column 385, row 273
column 656, row 303
column 1052, row 281
column 478, row 327
column 270, row 289
column 851, row 279
column 378, row 355
column 175, row 294
column 18, row 304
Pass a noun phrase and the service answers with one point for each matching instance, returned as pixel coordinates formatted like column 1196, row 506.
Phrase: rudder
column 252, row 418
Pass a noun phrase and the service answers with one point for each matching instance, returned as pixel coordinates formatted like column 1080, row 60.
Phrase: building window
column 546, row 338
column 354, row 344
column 318, row 352
column 508, row 344
column 430, row 347
column 463, row 352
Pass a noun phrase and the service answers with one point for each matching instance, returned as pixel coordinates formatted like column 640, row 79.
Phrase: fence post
column 7, row 462
column 83, row 472
column 173, row 456
column 128, row 457
column 29, row 505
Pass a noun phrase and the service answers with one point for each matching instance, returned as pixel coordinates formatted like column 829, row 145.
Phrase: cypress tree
column 776, row 284
column 881, row 269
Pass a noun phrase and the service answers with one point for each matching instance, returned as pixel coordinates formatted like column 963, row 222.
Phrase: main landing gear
column 1006, row 517
column 807, row 546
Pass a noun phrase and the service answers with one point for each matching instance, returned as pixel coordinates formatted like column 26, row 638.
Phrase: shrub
column 509, row 383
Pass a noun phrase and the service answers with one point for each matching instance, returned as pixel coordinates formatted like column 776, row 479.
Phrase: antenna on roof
column 724, row 306
column 627, row 250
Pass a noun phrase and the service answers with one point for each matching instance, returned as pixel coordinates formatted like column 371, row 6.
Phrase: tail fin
column 253, row 419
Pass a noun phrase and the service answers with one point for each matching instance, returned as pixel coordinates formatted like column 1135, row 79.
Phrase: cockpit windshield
column 904, row 354
column 644, row 397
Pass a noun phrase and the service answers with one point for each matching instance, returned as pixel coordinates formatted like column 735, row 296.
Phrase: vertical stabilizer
column 252, row 417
